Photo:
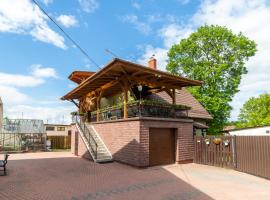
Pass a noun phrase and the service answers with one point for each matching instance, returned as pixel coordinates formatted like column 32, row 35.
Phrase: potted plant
column 217, row 141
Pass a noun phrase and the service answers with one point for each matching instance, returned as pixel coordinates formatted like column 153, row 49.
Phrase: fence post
column 234, row 151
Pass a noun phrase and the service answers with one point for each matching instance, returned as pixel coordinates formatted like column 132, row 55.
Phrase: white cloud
column 47, row 2
column 18, row 80
column 16, row 102
column 143, row 27
column 10, row 95
column 183, row 2
column 88, row 6
column 136, row 5
column 67, row 20
column 159, row 53
column 36, row 78
column 72, row 85
column 25, row 18
column 43, row 72
column 173, row 33
column 248, row 16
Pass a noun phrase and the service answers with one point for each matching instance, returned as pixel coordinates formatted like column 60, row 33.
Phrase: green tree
column 255, row 112
column 216, row 56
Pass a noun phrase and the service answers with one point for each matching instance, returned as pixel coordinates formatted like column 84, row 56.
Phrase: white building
column 57, row 130
column 253, row 131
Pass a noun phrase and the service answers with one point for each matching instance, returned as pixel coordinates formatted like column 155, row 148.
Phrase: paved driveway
column 63, row 176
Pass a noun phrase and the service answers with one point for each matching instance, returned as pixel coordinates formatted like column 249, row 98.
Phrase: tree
column 255, row 112
column 216, row 56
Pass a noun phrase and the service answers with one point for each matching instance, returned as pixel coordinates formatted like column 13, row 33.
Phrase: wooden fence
column 60, row 142
column 208, row 153
column 250, row 154
column 253, row 155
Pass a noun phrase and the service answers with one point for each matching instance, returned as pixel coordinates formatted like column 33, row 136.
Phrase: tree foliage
column 255, row 112
column 216, row 56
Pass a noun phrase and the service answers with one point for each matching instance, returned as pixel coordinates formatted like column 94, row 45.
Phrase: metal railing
column 138, row 109
column 87, row 134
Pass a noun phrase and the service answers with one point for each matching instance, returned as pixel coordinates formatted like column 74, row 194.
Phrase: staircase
column 93, row 142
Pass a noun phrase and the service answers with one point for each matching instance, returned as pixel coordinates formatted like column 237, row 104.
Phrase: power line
column 66, row 34
column 108, row 51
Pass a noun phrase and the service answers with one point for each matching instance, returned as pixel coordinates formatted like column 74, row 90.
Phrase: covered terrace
column 122, row 89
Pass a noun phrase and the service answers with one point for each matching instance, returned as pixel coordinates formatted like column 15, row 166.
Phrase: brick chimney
column 152, row 63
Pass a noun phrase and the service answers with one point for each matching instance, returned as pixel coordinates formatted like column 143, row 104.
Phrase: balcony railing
column 142, row 109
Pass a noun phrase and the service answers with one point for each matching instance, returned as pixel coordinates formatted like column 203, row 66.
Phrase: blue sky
column 36, row 58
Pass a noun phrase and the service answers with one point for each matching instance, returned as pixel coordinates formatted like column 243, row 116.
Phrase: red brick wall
column 78, row 147
column 184, row 137
column 185, row 143
column 122, row 139
column 128, row 140
column 73, row 130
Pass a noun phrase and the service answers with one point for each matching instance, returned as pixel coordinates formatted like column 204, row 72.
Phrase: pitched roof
column 183, row 97
column 118, row 68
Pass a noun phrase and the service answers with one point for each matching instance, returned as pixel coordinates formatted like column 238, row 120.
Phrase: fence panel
column 60, row 142
column 210, row 153
column 253, row 155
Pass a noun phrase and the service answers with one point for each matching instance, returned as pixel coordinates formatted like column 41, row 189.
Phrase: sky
column 36, row 58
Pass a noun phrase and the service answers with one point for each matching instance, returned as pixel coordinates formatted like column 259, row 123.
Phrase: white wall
column 252, row 131
column 57, row 133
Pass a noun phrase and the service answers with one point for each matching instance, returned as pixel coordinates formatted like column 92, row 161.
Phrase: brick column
column 185, row 143
column 144, row 145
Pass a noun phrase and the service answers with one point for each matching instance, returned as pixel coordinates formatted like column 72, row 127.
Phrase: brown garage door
column 161, row 146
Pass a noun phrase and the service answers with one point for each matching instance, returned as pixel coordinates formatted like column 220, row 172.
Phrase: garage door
column 161, row 146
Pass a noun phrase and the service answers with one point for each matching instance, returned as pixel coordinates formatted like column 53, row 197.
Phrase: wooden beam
column 75, row 103
column 125, row 84
column 169, row 92
column 103, row 88
column 125, row 103
column 151, row 84
column 98, row 104
column 173, row 97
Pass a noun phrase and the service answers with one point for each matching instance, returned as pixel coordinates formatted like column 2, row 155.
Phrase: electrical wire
column 66, row 34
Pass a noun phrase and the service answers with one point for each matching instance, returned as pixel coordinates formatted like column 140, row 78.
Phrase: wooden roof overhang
column 109, row 79
column 80, row 76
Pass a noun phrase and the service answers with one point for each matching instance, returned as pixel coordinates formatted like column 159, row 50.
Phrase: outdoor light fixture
column 140, row 88
column 207, row 141
column 226, row 143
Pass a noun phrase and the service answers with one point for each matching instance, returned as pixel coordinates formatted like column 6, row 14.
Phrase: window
column 267, row 131
column 49, row 128
column 60, row 128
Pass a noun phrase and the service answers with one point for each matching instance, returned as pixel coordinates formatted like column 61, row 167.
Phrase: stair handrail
column 77, row 119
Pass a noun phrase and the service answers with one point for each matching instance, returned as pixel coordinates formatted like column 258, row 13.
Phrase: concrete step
column 103, row 155
column 104, row 158
column 104, row 161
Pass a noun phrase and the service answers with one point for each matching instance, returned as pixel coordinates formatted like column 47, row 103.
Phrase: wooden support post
column 98, row 107
column 125, row 87
column 125, row 102
column 173, row 97
column 98, row 104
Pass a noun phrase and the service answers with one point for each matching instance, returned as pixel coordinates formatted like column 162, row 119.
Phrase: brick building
column 135, row 114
